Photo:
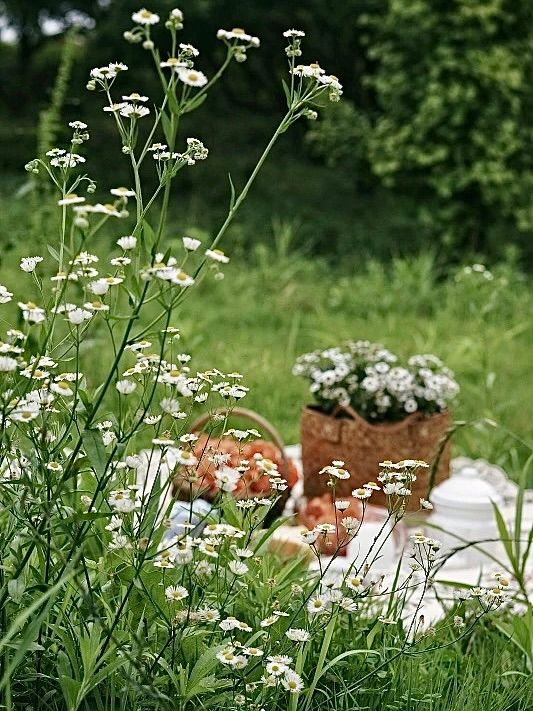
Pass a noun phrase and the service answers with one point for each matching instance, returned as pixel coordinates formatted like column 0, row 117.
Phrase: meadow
column 278, row 300
column 137, row 566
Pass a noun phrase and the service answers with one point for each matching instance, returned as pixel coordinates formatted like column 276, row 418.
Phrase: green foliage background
column 432, row 145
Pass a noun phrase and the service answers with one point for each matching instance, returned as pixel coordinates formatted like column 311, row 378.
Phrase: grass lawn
column 273, row 306
column 278, row 301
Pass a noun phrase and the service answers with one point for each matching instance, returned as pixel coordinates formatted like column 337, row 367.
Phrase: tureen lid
column 466, row 490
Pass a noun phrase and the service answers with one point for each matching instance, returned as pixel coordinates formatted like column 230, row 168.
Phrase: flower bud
column 148, row 44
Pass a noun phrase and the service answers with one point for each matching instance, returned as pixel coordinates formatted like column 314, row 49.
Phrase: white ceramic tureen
column 464, row 513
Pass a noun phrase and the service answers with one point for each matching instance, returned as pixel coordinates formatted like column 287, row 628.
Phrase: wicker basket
column 284, row 463
column 362, row 445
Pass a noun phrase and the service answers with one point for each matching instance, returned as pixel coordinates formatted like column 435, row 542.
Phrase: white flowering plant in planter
column 105, row 602
column 375, row 382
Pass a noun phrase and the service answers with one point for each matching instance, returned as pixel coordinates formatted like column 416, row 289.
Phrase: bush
column 451, row 123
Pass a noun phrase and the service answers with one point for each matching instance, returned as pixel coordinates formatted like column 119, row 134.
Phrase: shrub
column 451, row 123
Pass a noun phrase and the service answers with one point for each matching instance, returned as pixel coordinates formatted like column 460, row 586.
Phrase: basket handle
column 387, row 426
column 254, row 417
column 348, row 409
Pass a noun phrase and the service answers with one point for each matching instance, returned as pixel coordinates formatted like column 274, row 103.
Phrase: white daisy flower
column 145, row 17
column 172, row 63
column 31, row 312
column 7, row 364
column 361, row 494
column 5, row 295
column 182, row 279
column 71, row 199
column 350, row 523
column 175, row 593
column 127, row 242
column 354, row 582
column 122, row 501
column 276, row 668
column 292, row 682
column 170, row 405
column 318, row 604
column 113, row 108
column 237, row 33
column 28, row 264
column 125, row 387
column 122, row 192
column 135, row 97
column 63, row 388
column 78, row 315
column 217, row 255
column 294, row 33
column 190, row 244
column 237, row 567
column 25, row 412
column 134, row 111
column 191, row 77
column 341, row 505
column 99, row 287
column 185, row 458
column 296, row 634
column 189, row 50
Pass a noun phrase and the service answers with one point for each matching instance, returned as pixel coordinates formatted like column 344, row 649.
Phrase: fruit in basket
column 222, row 464
column 322, row 510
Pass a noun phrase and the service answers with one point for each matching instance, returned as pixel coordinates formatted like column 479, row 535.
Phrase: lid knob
column 468, row 472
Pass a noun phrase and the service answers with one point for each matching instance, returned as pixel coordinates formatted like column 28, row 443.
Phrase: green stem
column 328, row 636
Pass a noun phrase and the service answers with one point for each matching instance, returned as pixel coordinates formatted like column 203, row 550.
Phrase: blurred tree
column 452, row 121
column 28, row 19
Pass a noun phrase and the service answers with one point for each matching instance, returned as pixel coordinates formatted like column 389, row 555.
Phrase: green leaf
column 505, row 536
column 200, row 672
column 194, row 104
column 269, row 533
column 232, row 188
column 519, row 507
column 148, row 237
column 173, row 106
column 15, row 588
column 53, row 252
column 167, row 127
column 70, row 688
column 287, row 92
column 94, row 447
column 86, row 403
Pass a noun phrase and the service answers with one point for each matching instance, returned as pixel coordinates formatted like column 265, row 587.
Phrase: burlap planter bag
column 362, row 445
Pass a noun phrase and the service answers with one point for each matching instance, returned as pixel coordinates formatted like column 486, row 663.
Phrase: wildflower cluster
column 333, row 523
column 372, row 380
column 397, row 479
column 117, row 576
column 239, row 463
column 479, row 270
